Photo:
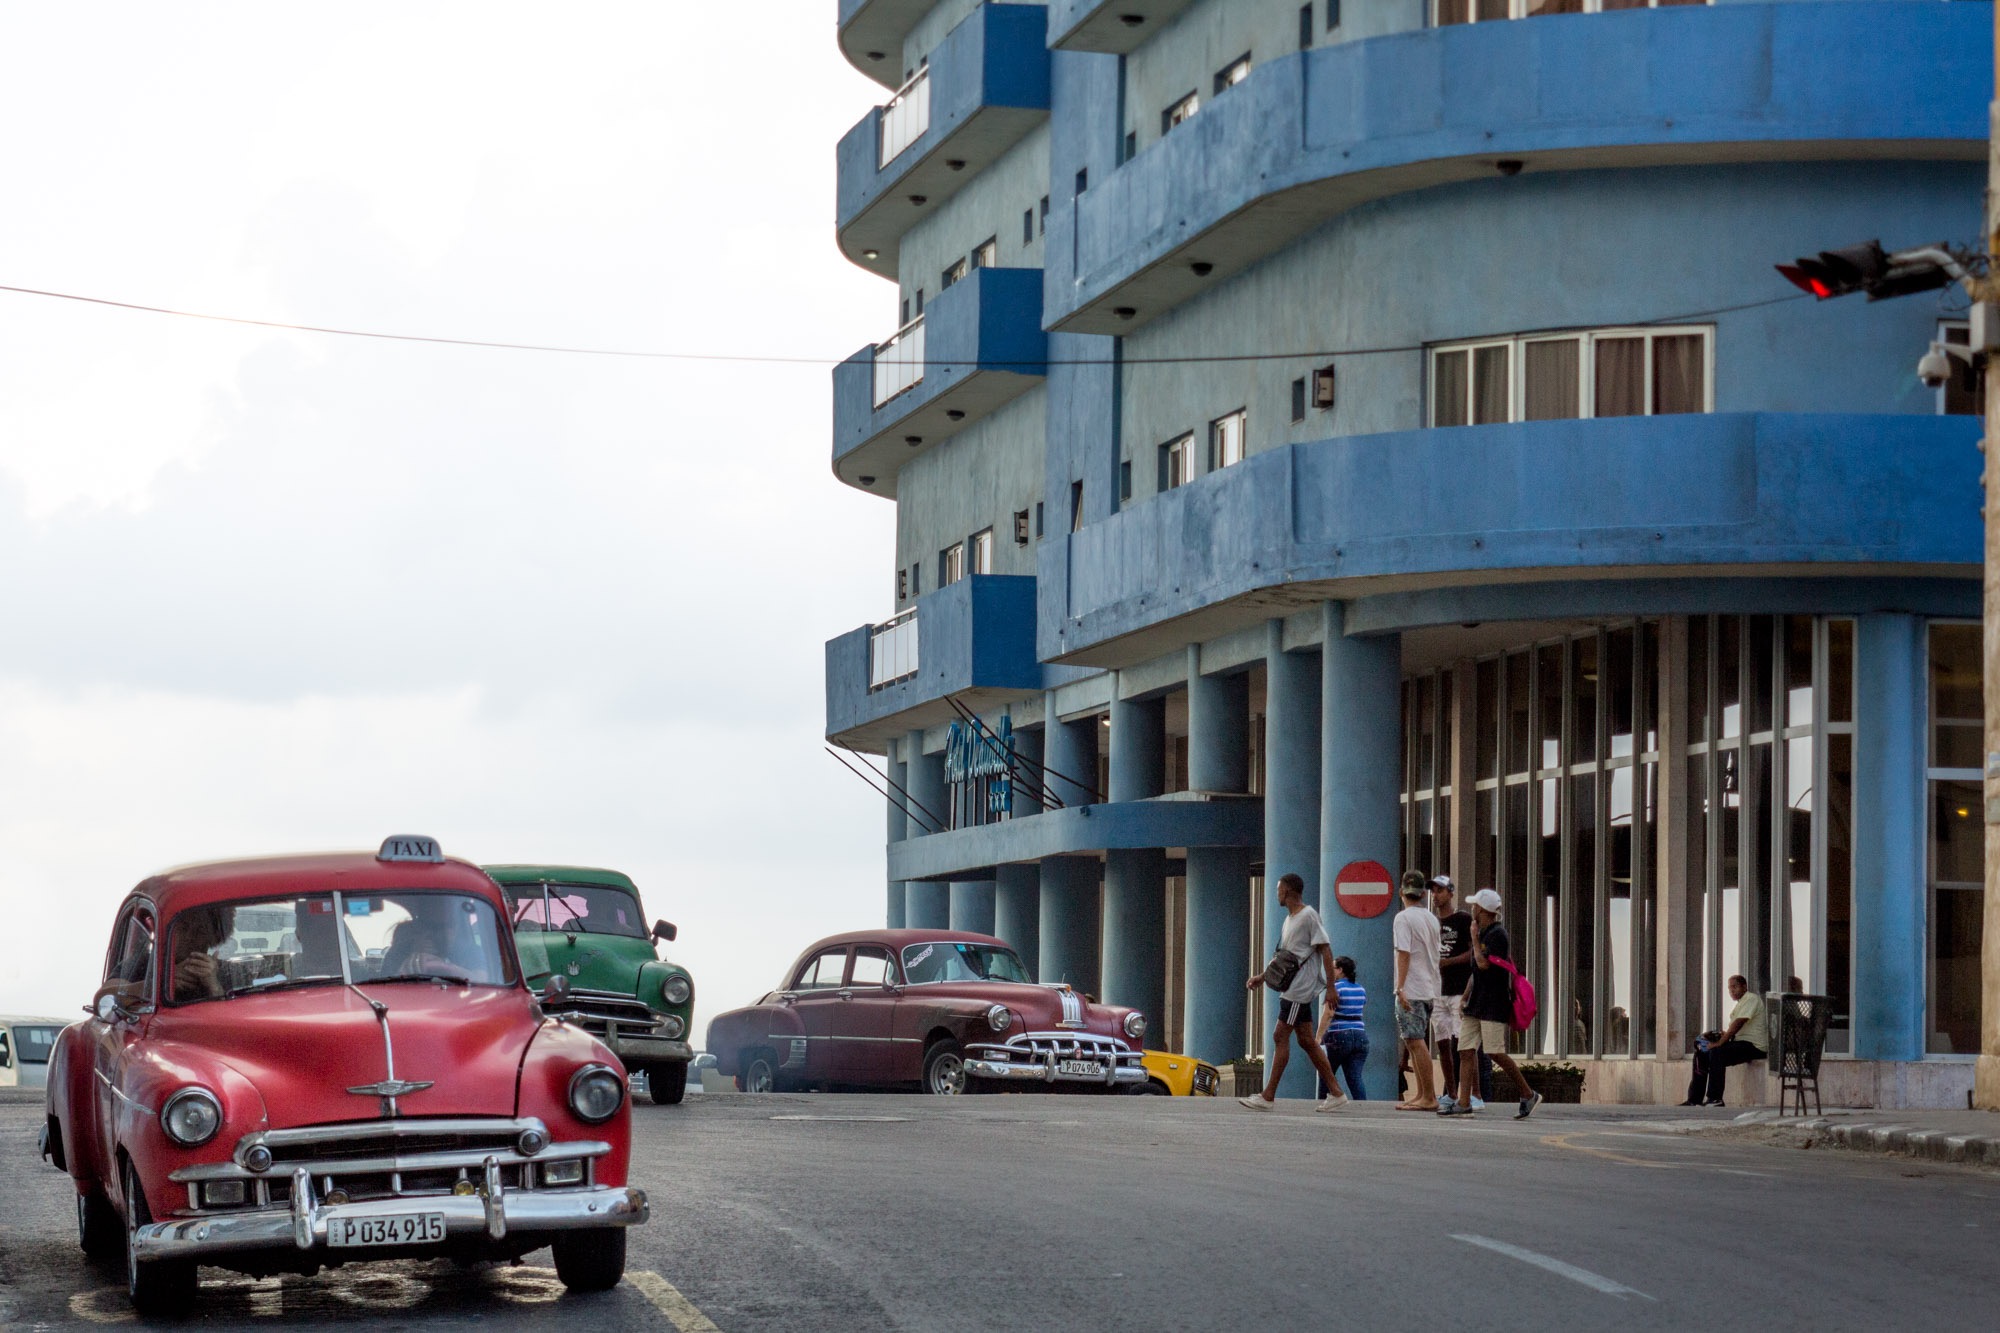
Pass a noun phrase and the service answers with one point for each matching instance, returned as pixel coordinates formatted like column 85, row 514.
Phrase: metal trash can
column 1795, row 1039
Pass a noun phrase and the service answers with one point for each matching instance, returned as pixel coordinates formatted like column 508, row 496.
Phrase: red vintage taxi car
column 943, row 1010
column 300, row 1062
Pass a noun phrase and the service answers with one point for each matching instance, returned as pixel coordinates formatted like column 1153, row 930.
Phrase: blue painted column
column 1017, row 910
column 1135, row 879
column 1069, row 749
column 1291, row 806
column 1361, row 745
column 1891, row 958
column 1070, row 921
column 927, row 906
column 899, row 829
column 972, row 906
column 1218, row 878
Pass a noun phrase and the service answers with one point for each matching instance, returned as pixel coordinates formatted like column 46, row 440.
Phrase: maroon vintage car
column 306, row 1061
column 944, row 1010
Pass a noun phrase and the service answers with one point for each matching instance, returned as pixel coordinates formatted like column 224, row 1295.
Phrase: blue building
column 1326, row 434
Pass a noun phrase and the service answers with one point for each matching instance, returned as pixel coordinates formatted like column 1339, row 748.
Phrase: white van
column 25, row 1044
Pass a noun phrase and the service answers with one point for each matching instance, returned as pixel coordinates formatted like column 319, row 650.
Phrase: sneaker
column 1329, row 1103
column 1445, row 1103
column 1478, row 1104
column 1528, row 1105
column 1254, row 1102
column 1457, row 1110
column 1716, row 1102
column 1692, row 1101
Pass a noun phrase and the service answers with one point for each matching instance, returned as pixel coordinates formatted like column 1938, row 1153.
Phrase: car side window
column 871, row 967
column 132, row 958
column 6, row 1052
column 824, row 971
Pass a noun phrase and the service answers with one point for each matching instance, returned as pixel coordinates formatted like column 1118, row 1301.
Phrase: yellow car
column 1170, row 1075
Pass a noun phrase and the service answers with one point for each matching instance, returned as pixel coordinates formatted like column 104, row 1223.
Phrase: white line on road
column 1595, row 1281
column 666, row 1297
column 849, row 1119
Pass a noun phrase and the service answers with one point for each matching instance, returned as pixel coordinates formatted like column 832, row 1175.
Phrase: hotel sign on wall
column 1362, row 888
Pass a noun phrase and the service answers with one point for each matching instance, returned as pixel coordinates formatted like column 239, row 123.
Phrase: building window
column 1177, row 462
column 1591, row 373
column 1305, row 27
column 916, row 579
column 902, row 586
column 981, row 543
column 1232, row 74
column 1020, row 527
column 1332, row 14
column 1298, row 401
column 987, row 253
column 1179, row 112
column 1125, row 480
column 953, row 275
column 1964, row 394
column 951, row 564
column 1445, row 13
column 1131, row 144
column 1038, row 520
column 1027, row 226
column 1076, row 506
column 1044, row 229
column 1956, row 807
column 1225, row 439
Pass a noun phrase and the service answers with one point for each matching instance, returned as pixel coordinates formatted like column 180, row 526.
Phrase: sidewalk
column 1971, row 1137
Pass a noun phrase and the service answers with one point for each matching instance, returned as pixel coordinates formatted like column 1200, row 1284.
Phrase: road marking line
column 850, row 1119
column 1595, row 1281
column 1563, row 1141
column 679, row 1310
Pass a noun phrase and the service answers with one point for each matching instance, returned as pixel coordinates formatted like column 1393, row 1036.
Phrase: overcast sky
column 267, row 592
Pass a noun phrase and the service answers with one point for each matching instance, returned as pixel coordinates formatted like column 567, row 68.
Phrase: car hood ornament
column 391, row 1087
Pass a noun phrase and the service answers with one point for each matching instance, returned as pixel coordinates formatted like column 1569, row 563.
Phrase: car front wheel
column 1152, row 1087
column 590, row 1260
column 163, row 1288
column 760, row 1072
column 667, row 1084
column 97, row 1227
column 944, row 1069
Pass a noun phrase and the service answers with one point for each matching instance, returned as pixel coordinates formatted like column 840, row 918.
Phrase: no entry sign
column 1362, row 888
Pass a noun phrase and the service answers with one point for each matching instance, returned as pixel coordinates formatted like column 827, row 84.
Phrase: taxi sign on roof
column 410, row 847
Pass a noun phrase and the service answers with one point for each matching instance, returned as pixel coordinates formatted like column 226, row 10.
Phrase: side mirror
column 556, row 988
column 665, row 931
column 118, row 1001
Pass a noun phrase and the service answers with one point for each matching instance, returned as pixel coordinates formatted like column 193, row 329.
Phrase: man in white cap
column 1489, row 1006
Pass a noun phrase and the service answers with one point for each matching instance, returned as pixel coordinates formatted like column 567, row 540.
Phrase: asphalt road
column 852, row 1212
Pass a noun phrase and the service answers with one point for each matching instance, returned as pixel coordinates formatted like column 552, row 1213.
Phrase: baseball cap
column 1442, row 882
column 1487, row 899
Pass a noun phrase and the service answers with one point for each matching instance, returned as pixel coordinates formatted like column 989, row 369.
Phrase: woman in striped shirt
column 1342, row 1032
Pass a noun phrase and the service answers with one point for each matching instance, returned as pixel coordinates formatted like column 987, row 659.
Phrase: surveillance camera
column 1935, row 367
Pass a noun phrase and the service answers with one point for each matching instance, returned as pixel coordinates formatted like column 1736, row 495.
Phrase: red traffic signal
column 1866, row 268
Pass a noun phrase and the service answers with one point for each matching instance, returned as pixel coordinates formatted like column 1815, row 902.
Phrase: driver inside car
column 437, row 940
column 197, row 974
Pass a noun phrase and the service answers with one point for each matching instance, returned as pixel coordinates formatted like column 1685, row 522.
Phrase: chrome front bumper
column 1041, row 1071
column 637, row 1048
column 303, row 1225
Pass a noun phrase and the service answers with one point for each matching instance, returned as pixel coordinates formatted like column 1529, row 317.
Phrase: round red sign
column 1363, row 888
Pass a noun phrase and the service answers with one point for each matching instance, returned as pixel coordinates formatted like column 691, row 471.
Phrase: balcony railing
column 892, row 650
column 906, row 117
column 899, row 363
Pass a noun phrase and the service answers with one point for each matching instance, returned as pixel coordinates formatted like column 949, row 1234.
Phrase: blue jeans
column 1347, row 1052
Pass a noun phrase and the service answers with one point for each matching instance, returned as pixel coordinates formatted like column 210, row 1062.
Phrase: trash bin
column 1795, row 1040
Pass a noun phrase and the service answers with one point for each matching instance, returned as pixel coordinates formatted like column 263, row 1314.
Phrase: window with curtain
column 1554, row 377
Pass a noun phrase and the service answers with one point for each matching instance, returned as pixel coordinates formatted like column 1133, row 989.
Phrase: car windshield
column 593, row 909
column 33, row 1044
column 953, row 961
column 229, row 949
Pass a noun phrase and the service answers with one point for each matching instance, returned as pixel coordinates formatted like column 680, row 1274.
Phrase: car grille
column 387, row 1159
column 595, row 1011
column 1205, row 1080
column 1069, row 1046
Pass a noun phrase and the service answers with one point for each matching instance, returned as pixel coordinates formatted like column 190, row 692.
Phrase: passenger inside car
column 197, row 974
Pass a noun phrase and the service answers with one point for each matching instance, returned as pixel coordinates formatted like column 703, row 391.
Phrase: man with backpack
column 1489, row 1006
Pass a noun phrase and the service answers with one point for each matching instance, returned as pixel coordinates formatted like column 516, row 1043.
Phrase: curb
column 1888, row 1138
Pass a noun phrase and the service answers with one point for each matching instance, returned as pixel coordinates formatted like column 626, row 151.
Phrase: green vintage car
column 587, row 950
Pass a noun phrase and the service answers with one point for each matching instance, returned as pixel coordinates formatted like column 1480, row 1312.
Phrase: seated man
column 196, row 973
column 435, row 941
column 1736, row 1044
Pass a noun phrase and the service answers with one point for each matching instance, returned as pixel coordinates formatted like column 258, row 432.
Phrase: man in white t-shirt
column 1417, row 986
column 1303, row 938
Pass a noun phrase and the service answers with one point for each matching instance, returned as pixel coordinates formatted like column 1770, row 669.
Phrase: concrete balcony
column 978, row 347
column 973, row 641
column 985, row 89
column 1108, row 25
column 1310, row 136
column 872, row 33
column 1510, row 522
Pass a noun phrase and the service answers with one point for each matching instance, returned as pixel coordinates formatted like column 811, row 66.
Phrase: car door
column 867, row 1053
column 130, row 968
column 816, row 998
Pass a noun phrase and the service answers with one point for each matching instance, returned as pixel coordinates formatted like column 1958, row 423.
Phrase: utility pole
column 1986, row 1078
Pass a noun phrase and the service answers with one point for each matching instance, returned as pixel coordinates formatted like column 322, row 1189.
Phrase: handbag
column 1282, row 970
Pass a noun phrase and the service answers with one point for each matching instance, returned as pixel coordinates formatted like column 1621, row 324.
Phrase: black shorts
column 1298, row 1013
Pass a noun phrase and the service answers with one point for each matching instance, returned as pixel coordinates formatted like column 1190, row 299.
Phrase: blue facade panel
column 976, row 634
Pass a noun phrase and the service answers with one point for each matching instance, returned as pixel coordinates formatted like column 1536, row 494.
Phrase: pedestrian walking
column 1489, row 1006
column 1417, row 981
column 1342, row 1032
column 1454, row 975
column 1303, row 941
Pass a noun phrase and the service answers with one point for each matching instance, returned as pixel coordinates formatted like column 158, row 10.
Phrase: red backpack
column 1525, row 1004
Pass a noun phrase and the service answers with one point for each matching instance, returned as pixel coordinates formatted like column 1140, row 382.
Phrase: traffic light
column 1867, row 268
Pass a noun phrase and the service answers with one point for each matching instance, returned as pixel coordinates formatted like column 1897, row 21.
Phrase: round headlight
column 258, row 1158
column 530, row 1142
column 672, row 1027
column 999, row 1018
column 191, row 1117
column 596, row 1093
column 1135, row 1025
column 676, row 989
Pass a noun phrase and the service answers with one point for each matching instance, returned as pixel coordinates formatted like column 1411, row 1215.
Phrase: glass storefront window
column 1957, row 837
column 1519, row 737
